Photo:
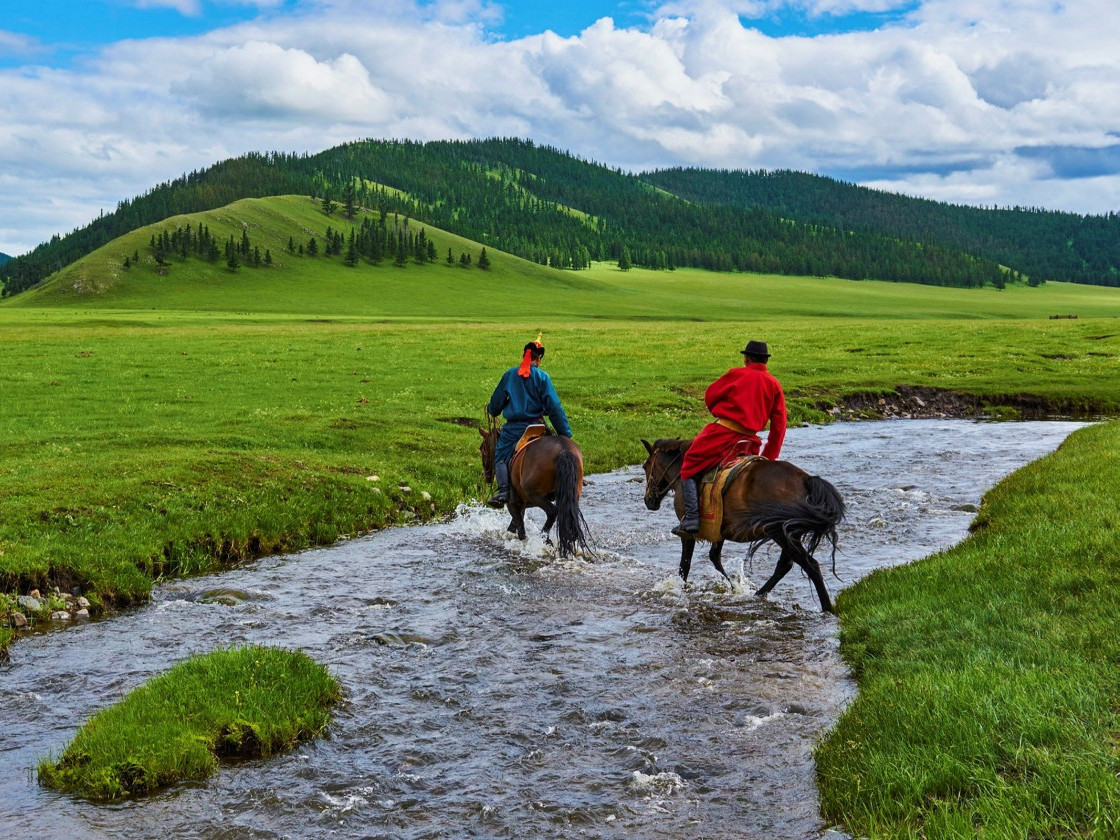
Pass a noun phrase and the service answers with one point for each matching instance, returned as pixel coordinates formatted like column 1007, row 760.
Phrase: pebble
column 19, row 619
column 82, row 613
column 30, row 602
column 60, row 615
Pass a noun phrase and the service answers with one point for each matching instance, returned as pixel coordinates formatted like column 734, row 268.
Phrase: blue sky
column 69, row 29
column 989, row 102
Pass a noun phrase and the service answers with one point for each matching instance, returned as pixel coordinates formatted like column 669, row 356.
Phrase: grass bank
column 989, row 692
column 242, row 702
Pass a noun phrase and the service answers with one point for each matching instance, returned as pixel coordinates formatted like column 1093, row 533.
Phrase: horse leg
column 688, row 545
column 785, row 563
column 517, row 520
column 715, row 556
column 550, row 517
column 813, row 569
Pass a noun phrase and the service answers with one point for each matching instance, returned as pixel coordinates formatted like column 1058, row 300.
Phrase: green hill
column 538, row 203
column 127, row 273
column 156, row 267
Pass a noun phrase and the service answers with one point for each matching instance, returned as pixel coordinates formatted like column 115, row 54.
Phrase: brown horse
column 548, row 474
column 767, row 500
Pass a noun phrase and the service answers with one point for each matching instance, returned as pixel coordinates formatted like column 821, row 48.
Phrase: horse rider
column 525, row 395
column 742, row 401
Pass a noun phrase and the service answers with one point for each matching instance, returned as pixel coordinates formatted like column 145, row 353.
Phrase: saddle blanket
column 712, row 487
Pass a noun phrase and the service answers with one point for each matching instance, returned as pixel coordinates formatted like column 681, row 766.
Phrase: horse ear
column 482, row 431
column 647, row 445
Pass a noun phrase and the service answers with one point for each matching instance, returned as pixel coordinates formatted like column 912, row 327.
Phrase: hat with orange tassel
column 534, row 349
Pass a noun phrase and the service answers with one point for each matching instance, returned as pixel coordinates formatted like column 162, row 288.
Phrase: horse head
column 662, row 469
column 486, row 450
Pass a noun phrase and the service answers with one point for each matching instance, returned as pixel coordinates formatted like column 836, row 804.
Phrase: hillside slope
column 127, row 274
column 1039, row 243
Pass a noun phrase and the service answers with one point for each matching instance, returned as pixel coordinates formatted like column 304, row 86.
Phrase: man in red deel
column 742, row 401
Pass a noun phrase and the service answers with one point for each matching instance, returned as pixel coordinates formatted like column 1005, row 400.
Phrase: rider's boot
column 690, row 519
column 501, row 472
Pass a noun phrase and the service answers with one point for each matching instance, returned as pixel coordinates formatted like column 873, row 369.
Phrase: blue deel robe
column 523, row 401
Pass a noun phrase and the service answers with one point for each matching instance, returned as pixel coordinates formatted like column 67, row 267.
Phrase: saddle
column 531, row 433
column 712, row 487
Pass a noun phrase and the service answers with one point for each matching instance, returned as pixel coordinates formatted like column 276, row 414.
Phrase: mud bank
column 908, row 402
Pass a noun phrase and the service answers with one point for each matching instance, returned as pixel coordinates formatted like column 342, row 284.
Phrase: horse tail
column 571, row 527
column 806, row 523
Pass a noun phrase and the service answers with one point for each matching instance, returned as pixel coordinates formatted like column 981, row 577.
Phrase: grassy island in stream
column 242, row 702
column 989, row 674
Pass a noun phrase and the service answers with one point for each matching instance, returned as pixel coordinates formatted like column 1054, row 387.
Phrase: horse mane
column 672, row 444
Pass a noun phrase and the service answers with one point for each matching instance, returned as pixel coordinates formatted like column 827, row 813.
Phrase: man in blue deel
column 524, row 396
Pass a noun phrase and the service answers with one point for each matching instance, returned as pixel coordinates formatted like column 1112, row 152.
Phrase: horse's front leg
column 715, row 555
column 688, row 545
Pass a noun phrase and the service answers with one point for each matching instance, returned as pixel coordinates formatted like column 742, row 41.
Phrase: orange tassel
column 526, row 364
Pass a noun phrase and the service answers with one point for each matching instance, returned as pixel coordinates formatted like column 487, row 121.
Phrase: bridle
column 664, row 472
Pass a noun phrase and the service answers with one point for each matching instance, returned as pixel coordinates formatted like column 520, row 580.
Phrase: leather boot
column 690, row 519
column 501, row 472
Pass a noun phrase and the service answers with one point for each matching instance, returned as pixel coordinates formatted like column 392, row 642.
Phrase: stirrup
column 498, row 500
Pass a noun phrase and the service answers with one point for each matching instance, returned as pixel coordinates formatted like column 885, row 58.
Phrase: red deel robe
column 749, row 396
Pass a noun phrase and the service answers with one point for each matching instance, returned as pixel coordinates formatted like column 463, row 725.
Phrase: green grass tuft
column 248, row 702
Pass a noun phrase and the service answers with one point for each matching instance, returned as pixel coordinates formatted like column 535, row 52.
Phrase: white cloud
column 941, row 105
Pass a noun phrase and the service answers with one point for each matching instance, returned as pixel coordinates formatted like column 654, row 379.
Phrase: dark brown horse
column 766, row 501
column 548, row 474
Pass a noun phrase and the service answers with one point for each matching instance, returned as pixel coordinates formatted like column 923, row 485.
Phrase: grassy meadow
column 157, row 426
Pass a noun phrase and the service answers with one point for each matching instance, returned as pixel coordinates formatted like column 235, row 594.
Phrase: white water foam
column 658, row 784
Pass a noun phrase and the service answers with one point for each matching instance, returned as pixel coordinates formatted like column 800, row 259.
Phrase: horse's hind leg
column 517, row 520
column 550, row 518
column 715, row 555
column 812, row 567
column 785, row 563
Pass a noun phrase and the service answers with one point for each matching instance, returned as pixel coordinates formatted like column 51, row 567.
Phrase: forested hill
column 4, row 258
column 1038, row 243
column 548, row 206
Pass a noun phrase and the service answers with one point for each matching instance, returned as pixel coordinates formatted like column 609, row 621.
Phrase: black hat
column 756, row 348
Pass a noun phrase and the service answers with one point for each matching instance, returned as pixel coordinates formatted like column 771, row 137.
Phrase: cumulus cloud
column 1005, row 102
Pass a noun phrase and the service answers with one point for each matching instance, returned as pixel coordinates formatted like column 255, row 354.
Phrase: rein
column 665, row 471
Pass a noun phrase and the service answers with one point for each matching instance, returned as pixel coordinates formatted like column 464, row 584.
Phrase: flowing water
column 493, row 690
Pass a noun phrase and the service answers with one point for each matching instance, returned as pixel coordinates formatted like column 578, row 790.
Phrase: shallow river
column 495, row 691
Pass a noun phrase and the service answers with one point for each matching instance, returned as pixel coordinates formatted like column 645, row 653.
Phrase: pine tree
column 483, row 260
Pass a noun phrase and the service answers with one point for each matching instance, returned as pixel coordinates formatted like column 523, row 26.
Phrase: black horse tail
column 571, row 527
column 805, row 523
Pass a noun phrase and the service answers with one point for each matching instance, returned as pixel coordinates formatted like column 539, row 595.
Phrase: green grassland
column 166, row 425
column 244, row 702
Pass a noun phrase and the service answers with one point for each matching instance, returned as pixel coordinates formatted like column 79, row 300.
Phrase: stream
column 493, row 690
